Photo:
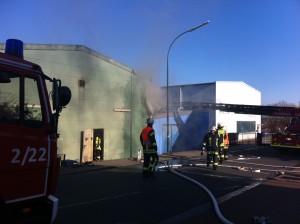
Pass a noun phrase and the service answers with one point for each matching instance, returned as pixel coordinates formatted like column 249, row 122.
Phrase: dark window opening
column 245, row 126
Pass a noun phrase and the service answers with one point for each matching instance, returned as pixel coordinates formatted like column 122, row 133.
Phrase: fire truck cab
column 289, row 138
column 29, row 164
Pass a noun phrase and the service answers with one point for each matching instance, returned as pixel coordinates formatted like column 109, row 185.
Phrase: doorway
column 98, row 144
column 92, row 148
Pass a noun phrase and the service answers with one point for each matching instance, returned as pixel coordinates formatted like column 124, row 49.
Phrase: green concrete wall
column 108, row 85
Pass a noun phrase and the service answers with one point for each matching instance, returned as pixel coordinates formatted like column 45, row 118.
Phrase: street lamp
column 188, row 31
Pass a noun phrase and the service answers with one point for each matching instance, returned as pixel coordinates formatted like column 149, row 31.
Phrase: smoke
column 154, row 97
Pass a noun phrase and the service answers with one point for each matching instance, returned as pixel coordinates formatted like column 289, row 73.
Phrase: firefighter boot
column 221, row 155
column 145, row 173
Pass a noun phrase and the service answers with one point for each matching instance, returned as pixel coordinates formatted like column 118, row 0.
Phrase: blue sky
column 254, row 41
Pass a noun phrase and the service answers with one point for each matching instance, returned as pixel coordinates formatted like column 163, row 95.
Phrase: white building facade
column 198, row 121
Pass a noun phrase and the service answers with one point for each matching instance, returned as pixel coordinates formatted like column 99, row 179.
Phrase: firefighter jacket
column 226, row 141
column 222, row 135
column 98, row 143
column 211, row 142
column 148, row 140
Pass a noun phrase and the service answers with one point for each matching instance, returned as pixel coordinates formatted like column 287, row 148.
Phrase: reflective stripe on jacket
column 210, row 141
column 222, row 136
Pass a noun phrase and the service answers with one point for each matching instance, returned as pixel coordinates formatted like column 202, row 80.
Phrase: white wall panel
column 231, row 92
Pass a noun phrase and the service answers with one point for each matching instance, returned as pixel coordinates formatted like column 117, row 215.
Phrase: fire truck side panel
column 23, row 164
column 284, row 140
column 27, row 146
column 25, row 149
column 22, row 186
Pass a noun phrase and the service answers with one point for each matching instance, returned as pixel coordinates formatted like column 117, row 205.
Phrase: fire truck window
column 32, row 105
column 10, row 100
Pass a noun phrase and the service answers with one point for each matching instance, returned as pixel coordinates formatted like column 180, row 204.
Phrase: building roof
column 65, row 47
column 215, row 83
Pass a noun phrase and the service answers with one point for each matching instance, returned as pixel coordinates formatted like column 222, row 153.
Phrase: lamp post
column 188, row 31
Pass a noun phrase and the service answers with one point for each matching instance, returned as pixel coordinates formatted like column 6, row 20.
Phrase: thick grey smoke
column 154, row 97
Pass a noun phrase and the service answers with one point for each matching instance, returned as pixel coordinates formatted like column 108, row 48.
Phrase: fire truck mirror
column 4, row 77
column 55, row 99
column 64, row 96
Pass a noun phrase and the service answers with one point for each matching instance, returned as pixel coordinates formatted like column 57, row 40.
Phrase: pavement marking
column 203, row 208
column 215, row 175
column 238, row 150
column 238, row 192
column 100, row 199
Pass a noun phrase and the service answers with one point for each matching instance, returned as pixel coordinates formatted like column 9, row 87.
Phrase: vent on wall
column 81, row 83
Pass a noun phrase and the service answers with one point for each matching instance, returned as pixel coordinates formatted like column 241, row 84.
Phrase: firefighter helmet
column 149, row 121
column 220, row 125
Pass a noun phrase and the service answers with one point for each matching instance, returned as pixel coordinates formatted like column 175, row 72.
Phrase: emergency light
column 14, row 47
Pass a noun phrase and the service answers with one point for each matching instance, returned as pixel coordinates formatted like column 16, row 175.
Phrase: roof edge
column 65, row 47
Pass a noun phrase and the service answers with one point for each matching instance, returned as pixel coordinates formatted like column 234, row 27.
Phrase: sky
column 253, row 41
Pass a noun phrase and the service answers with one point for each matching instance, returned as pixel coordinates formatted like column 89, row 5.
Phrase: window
column 16, row 107
column 245, row 126
column 32, row 104
column 10, row 99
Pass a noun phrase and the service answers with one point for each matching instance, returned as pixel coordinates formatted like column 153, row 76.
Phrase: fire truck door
column 87, row 149
column 25, row 143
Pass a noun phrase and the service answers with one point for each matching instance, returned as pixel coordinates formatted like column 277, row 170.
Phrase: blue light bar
column 14, row 47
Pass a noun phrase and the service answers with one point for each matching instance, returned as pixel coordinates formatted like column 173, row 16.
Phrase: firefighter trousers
column 150, row 163
column 97, row 154
column 225, row 153
column 212, row 157
column 221, row 153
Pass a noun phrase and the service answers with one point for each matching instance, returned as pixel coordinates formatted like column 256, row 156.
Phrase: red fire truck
column 289, row 138
column 29, row 164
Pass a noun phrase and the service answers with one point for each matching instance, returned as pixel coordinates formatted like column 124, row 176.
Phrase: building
column 188, row 127
column 110, row 103
column 107, row 101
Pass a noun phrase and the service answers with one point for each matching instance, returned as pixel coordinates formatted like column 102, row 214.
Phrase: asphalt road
column 121, row 195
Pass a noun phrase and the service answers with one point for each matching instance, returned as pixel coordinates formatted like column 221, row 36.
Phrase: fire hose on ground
column 215, row 203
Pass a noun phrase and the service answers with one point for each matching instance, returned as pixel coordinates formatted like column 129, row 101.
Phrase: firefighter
column 211, row 145
column 223, row 136
column 149, row 145
column 97, row 148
